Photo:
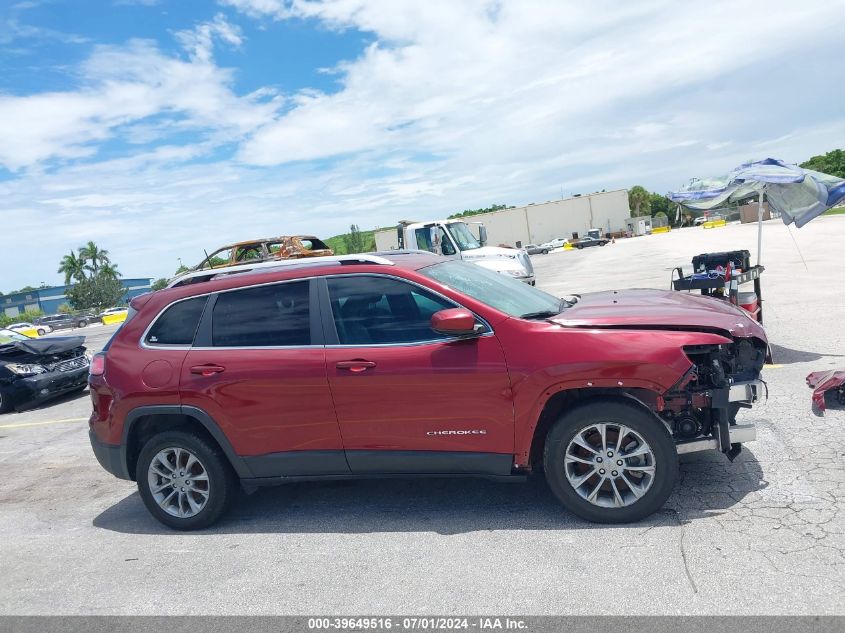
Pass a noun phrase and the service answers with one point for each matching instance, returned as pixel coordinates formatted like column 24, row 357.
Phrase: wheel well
column 565, row 400
column 146, row 427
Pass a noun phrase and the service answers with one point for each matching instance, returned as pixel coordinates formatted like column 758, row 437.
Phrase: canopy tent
column 798, row 194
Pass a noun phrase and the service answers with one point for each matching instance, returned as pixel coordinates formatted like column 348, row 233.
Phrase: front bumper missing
column 739, row 434
column 729, row 437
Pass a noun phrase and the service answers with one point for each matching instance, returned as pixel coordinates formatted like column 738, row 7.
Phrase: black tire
column 82, row 323
column 545, row 251
column 634, row 418
column 579, row 246
column 41, row 332
column 602, row 243
column 6, row 403
column 222, row 482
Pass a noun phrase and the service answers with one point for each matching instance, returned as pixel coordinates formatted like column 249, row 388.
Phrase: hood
column 42, row 346
column 489, row 252
column 658, row 309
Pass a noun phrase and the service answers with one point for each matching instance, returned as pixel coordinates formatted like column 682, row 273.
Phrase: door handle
column 207, row 370
column 356, row 366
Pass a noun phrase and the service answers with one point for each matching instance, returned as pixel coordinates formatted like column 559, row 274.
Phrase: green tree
column 659, row 204
column 490, row 209
column 64, row 309
column 182, row 269
column 93, row 256
column 639, row 201
column 72, row 266
column 354, row 241
column 110, row 270
column 97, row 291
column 832, row 163
column 160, row 284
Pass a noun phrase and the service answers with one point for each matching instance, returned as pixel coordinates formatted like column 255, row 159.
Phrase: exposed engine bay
column 705, row 402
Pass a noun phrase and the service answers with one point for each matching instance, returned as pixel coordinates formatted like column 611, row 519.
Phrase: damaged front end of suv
column 701, row 408
column 35, row 370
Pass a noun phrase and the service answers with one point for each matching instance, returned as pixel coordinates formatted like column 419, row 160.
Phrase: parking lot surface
column 762, row 535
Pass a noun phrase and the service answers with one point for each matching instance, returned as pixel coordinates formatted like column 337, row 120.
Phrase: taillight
column 98, row 364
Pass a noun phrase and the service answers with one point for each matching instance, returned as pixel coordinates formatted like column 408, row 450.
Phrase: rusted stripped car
column 269, row 249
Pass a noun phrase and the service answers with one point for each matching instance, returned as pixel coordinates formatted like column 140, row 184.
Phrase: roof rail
column 198, row 276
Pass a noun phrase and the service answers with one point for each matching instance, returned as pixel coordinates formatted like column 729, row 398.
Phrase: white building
column 541, row 222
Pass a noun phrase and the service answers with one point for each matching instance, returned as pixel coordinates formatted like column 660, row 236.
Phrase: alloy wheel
column 178, row 482
column 609, row 465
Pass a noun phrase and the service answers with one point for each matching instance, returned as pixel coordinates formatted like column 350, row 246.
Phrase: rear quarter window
column 177, row 325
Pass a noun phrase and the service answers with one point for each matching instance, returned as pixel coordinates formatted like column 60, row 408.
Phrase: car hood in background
column 658, row 309
column 44, row 346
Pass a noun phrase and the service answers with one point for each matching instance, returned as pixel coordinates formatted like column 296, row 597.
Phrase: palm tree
column 639, row 200
column 72, row 267
column 110, row 271
column 93, row 254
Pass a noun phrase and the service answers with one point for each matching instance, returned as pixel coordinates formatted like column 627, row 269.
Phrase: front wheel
column 610, row 462
column 185, row 482
column 545, row 251
column 82, row 324
column 41, row 332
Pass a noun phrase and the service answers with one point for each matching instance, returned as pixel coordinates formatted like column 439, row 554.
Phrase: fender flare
column 238, row 464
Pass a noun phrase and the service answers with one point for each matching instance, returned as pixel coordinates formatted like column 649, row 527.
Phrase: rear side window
column 267, row 316
column 178, row 324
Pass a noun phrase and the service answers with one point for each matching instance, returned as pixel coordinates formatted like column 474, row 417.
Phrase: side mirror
column 455, row 322
column 482, row 234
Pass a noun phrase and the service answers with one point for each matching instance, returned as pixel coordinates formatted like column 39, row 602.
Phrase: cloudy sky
column 158, row 128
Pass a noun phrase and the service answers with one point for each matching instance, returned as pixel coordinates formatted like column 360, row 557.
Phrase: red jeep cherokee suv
column 408, row 364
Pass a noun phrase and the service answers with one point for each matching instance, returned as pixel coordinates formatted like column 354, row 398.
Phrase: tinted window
column 264, row 316
column 378, row 310
column 178, row 324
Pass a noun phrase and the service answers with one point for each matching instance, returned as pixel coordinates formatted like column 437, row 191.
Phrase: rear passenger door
column 409, row 399
column 258, row 368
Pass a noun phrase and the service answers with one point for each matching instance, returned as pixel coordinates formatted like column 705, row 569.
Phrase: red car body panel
column 279, row 400
column 265, row 400
column 659, row 308
column 413, row 392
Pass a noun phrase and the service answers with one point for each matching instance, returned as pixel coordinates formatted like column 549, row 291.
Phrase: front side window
column 371, row 310
column 499, row 291
column 265, row 316
column 178, row 324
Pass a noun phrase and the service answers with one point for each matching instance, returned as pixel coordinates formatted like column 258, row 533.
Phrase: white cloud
column 453, row 104
column 122, row 85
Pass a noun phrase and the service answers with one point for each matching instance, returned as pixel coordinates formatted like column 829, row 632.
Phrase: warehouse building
column 49, row 298
column 542, row 222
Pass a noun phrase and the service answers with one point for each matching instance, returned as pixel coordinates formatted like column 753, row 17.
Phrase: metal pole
column 760, row 227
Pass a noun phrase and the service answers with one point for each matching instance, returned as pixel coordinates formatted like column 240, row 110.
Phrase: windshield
column 496, row 290
column 7, row 336
column 463, row 237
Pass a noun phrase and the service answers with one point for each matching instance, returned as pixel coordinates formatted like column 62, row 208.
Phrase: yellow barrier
column 712, row 224
column 31, row 332
column 661, row 229
column 568, row 247
column 117, row 317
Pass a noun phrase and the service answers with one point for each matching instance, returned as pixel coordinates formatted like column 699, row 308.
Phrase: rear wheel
column 82, row 323
column 41, row 332
column 185, row 482
column 545, row 251
column 579, row 246
column 610, row 462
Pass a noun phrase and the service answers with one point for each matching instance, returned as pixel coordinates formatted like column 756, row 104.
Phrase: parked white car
column 26, row 328
column 558, row 242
